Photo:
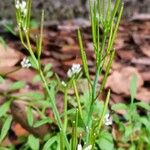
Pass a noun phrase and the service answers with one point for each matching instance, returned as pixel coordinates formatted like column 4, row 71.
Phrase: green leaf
column 47, row 67
column 49, row 74
column 105, row 142
column 33, row 64
column 133, row 87
column 119, row 106
column 5, row 128
column 4, row 108
column 128, row 131
column 30, row 116
column 36, row 79
column 35, row 95
column 83, row 56
column 41, row 122
column 4, row 148
column 143, row 105
column 43, row 103
column 33, row 142
column 1, row 79
column 3, row 42
column 17, row 85
column 48, row 144
column 144, row 121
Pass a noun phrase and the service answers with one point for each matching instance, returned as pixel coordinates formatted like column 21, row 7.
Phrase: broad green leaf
column 5, row 127
column 119, row 106
column 33, row 142
column 4, row 108
column 30, row 116
column 143, row 105
column 41, row 122
column 17, row 85
column 83, row 56
column 105, row 142
column 1, row 79
column 47, row 67
column 133, row 87
column 49, row 143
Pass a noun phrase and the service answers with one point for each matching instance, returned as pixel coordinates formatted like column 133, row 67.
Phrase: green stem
column 96, row 81
column 56, row 113
column 78, row 98
column 65, row 111
column 31, row 51
column 104, row 110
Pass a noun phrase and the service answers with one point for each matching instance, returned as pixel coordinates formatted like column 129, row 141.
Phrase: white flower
column 75, row 69
column 17, row 4
column 63, row 83
column 108, row 119
column 79, row 147
column 22, row 6
column 25, row 63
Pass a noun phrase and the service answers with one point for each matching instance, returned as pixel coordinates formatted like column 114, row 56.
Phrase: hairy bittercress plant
column 80, row 127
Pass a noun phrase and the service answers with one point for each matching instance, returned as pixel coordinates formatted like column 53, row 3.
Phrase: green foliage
column 16, row 85
column 4, row 108
column 33, row 142
column 5, row 128
column 83, row 118
column 1, row 79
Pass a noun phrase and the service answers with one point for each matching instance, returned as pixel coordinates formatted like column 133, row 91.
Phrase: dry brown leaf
column 141, row 61
column 119, row 81
column 19, row 130
column 143, row 95
column 22, row 74
column 146, row 49
column 9, row 56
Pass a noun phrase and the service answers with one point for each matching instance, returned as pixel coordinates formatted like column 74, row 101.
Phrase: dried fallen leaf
column 9, row 56
column 119, row 81
column 143, row 95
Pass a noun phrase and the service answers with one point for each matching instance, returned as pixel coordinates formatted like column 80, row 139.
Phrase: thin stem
column 56, row 113
column 78, row 98
column 104, row 110
column 65, row 111
column 31, row 51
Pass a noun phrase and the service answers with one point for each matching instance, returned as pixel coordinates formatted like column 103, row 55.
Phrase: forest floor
column 61, row 49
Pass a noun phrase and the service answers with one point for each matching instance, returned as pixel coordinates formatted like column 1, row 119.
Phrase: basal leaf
column 4, row 108
column 48, row 144
column 17, row 85
column 33, row 142
column 41, row 122
column 30, row 116
column 5, row 128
